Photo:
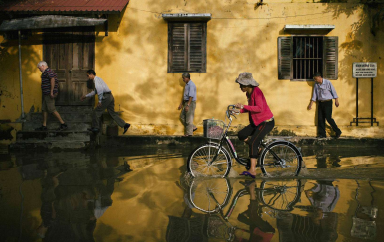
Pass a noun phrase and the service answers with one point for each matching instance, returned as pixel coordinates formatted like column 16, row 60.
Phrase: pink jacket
column 257, row 107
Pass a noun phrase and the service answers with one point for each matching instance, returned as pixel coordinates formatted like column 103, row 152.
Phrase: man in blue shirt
column 188, row 105
column 324, row 92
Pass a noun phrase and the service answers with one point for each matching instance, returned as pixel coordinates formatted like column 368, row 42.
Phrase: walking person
column 188, row 105
column 323, row 93
column 261, row 120
column 50, row 90
column 106, row 101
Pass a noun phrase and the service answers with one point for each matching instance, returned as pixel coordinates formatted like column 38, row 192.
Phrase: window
column 187, row 47
column 300, row 57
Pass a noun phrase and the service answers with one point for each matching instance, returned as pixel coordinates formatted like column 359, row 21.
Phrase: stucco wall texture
column 241, row 37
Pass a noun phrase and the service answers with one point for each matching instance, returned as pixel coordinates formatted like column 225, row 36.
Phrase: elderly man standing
column 188, row 105
column 324, row 92
column 50, row 90
column 106, row 101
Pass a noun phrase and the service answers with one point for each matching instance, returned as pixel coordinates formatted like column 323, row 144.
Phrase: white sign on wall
column 364, row 69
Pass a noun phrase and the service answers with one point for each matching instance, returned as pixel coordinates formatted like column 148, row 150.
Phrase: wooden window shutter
column 177, row 47
column 197, row 47
column 187, row 47
column 330, row 58
column 285, row 45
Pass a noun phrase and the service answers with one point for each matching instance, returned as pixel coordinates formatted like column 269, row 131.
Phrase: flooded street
column 144, row 195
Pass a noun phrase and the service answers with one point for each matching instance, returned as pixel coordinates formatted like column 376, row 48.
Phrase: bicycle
column 280, row 157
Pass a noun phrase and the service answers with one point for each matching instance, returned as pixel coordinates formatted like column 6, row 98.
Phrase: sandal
column 246, row 173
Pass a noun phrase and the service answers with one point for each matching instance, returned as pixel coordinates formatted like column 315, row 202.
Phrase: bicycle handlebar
column 229, row 111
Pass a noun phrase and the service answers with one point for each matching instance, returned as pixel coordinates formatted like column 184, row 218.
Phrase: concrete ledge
column 81, row 140
column 151, row 140
column 58, row 145
column 41, row 135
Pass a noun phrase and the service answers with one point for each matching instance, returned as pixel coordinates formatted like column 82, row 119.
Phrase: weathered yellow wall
column 10, row 102
column 133, row 61
column 240, row 38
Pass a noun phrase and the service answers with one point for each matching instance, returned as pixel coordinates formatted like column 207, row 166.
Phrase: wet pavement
column 94, row 196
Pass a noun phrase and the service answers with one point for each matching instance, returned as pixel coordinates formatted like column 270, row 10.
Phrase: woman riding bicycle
column 260, row 118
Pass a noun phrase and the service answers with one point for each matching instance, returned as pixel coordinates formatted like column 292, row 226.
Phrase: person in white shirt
column 188, row 105
column 106, row 101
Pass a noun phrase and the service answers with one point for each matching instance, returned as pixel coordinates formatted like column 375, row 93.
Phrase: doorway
column 70, row 55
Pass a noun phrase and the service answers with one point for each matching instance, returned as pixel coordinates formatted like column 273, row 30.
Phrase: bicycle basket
column 213, row 128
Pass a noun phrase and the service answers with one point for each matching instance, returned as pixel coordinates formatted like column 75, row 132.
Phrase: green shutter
column 177, row 48
column 330, row 58
column 196, row 51
column 285, row 46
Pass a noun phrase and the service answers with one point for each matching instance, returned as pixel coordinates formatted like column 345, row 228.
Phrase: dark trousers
column 324, row 112
column 257, row 133
column 107, row 103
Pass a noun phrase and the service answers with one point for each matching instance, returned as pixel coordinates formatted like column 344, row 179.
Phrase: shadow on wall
column 245, row 57
column 210, row 90
column 9, row 76
column 130, row 42
column 362, row 45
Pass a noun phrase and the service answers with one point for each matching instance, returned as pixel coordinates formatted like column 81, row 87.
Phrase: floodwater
column 93, row 196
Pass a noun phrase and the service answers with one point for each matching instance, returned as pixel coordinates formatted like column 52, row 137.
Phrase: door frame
column 65, row 39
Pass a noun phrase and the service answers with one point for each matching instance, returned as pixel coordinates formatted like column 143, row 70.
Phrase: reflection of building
column 295, row 228
column 73, row 200
column 186, row 229
column 364, row 224
column 321, row 225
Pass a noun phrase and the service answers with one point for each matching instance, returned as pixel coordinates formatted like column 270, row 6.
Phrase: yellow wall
column 133, row 61
column 240, row 38
column 10, row 102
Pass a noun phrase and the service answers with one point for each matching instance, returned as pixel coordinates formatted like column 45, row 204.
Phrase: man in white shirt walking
column 106, row 101
column 324, row 93
column 188, row 105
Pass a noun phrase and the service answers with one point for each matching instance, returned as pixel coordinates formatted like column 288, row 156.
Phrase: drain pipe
column 21, row 79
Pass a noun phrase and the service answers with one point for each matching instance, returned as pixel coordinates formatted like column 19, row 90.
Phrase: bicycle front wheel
column 209, row 195
column 280, row 158
column 209, row 160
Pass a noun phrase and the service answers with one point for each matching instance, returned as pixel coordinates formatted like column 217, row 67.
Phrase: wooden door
column 70, row 55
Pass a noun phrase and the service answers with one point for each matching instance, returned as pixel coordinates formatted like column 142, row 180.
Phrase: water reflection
column 73, row 195
column 363, row 221
column 345, row 158
column 73, row 200
column 76, row 196
column 320, row 224
column 279, row 210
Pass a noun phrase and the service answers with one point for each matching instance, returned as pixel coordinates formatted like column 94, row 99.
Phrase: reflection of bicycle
column 212, row 195
column 280, row 157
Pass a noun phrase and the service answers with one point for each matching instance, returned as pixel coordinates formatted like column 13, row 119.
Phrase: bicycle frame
column 232, row 149
column 239, row 194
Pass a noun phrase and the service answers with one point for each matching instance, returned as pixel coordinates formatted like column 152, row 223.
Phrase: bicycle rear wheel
column 207, row 160
column 280, row 158
column 210, row 194
column 280, row 195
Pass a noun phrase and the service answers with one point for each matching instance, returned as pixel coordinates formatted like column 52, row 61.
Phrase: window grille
column 307, row 57
column 299, row 57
